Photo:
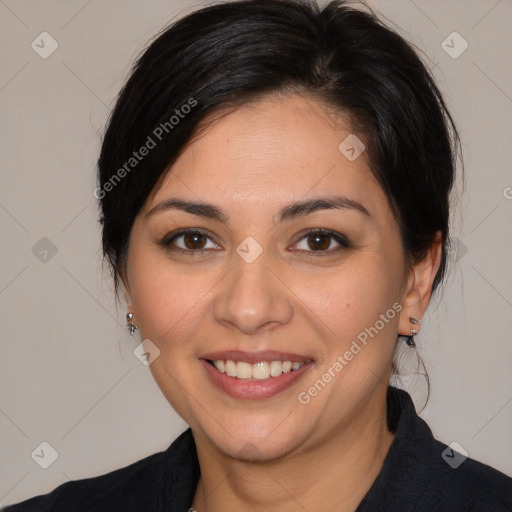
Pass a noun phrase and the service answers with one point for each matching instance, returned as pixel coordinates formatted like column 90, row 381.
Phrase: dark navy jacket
column 419, row 474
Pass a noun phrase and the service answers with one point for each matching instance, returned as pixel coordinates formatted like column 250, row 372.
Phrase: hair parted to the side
column 228, row 54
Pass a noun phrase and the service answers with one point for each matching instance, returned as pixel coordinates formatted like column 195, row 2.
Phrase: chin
column 267, row 438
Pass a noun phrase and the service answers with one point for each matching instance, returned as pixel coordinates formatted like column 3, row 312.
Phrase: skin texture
column 276, row 453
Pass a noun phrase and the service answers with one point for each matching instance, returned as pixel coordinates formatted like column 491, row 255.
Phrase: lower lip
column 254, row 389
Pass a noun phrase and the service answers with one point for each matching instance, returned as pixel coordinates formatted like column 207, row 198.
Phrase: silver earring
column 410, row 339
column 130, row 325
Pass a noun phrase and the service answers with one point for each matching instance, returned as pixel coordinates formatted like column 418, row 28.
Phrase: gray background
column 69, row 376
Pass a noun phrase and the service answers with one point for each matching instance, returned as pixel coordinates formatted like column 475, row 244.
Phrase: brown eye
column 321, row 241
column 189, row 241
column 194, row 241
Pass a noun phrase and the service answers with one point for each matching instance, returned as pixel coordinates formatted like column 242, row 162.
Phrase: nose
column 252, row 298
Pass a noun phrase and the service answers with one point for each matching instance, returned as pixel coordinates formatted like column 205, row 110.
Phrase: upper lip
column 254, row 357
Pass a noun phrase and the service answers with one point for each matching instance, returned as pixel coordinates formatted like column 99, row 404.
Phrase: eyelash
column 338, row 237
column 167, row 241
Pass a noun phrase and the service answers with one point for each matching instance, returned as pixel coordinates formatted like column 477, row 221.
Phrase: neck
column 334, row 474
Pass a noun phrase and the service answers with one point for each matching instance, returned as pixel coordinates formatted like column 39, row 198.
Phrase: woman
column 274, row 189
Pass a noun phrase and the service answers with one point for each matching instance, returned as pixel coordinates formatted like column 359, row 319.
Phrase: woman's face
column 253, row 286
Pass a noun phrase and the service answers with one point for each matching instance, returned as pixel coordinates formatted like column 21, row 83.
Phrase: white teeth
column 231, row 368
column 276, row 368
column 259, row 371
column 243, row 370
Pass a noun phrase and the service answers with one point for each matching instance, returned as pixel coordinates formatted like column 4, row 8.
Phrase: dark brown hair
column 230, row 53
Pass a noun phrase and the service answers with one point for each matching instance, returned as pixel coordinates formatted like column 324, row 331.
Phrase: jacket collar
column 402, row 479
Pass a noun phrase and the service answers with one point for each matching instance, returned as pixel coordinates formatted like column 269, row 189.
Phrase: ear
column 128, row 299
column 419, row 287
column 127, row 293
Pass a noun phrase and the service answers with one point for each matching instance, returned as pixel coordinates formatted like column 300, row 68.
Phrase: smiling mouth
column 263, row 370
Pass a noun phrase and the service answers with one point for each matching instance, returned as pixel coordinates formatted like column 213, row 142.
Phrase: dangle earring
column 130, row 325
column 410, row 339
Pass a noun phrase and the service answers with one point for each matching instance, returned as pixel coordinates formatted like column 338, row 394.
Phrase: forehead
column 270, row 152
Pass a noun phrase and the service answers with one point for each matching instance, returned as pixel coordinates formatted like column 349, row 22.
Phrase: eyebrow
column 289, row 212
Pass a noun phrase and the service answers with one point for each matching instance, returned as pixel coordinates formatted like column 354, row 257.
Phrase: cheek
column 359, row 309
column 353, row 297
column 168, row 299
column 169, row 303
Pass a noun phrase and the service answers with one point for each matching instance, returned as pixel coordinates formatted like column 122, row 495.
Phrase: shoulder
column 130, row 488
column 126, row 486
column 423, row 474
column 468, row 483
